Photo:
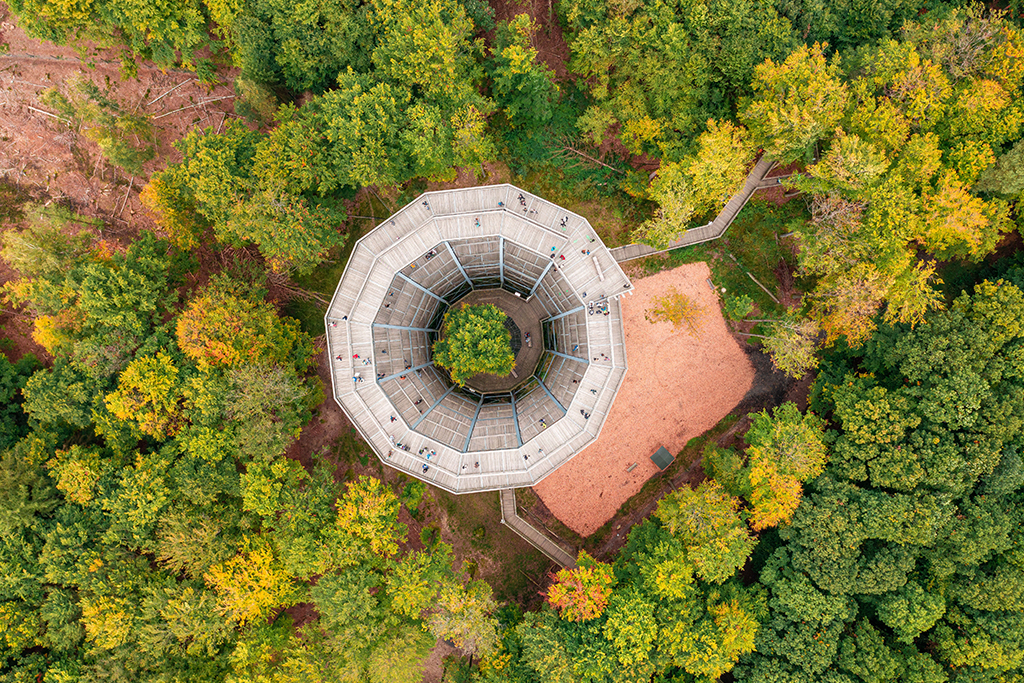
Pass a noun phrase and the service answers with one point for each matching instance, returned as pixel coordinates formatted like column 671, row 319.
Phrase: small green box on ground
column 662, row 458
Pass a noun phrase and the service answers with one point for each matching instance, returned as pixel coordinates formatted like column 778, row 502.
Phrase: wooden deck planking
column 372, row 270
column 510, row 518
column 713, row 230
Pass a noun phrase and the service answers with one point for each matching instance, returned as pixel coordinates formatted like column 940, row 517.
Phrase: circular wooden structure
column 548, row 269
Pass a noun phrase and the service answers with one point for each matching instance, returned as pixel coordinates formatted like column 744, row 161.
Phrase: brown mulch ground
column 677, row 387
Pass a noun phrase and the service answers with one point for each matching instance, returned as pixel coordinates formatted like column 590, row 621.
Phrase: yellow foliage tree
column 107, row 620
column 252, row 584
column 368, row 518
column 678, row 309
column 149, row 393
column 774, row 497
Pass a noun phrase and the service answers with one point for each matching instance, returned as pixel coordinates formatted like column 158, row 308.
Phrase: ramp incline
column 755, row 180
column 529, row 533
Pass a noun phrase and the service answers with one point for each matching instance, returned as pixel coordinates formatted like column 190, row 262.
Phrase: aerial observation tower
column 547, row 269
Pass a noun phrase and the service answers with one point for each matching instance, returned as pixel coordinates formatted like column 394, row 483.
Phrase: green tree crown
column 474, row 341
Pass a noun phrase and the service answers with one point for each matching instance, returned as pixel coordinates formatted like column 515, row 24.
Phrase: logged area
column 44, row 149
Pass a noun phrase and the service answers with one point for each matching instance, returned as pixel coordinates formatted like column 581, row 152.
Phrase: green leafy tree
column 737, row 307
column 784, row 450
column 13, row 377
column 718, row 168
column 707, row 523
column 879, row 573
column 698, row 183
column 463, row 614
column 658, row 72
column 303, row 48
column 524, row 88
column 632, row 628
column 792, row 344
column 219, row 178
column 1006, row 177
column 27, row 493
column 677, row 204
column 474, row 340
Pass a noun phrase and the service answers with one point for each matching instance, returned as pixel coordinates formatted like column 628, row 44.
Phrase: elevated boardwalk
column 529, row 533
column 434, row 251
column 756, row 180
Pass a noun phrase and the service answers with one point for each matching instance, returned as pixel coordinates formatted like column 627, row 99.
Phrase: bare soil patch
column 39, row 152
column 678, row 386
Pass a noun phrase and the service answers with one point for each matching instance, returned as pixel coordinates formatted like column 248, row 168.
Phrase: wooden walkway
column 756, row 180
column 529, row 533
column 442, row 244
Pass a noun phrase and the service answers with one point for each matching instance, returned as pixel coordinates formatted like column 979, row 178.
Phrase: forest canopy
column 156, row 522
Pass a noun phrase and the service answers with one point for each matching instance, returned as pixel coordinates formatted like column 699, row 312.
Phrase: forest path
column 716, row 228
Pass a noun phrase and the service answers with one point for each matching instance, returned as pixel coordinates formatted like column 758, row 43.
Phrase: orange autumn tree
column 582, row 593
column 226, row 326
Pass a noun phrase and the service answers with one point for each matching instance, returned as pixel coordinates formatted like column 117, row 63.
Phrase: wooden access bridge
column 757, row 179
column 538, row 539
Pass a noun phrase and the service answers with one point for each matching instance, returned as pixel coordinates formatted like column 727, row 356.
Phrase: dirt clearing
column 678, row 386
